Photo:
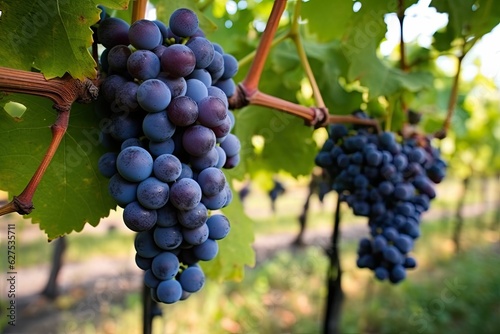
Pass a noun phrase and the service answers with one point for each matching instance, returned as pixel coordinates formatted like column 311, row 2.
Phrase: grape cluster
column 168, row 130
column 391, row 182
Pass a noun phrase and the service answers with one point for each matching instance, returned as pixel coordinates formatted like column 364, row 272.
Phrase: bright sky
column 420, row 24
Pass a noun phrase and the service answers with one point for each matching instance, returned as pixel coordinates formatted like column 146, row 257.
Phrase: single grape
column 138, row 218
column 381, row 273
column 212, row 181
column 166, row 216
column 113, row 31
column 218, row 226
column 117, row 58
column 143, row 65
column 231, row 145
column 150, row 279
column 196, row 90
column 398, row 273
column 169, row 291
column 182, row 111
column 157, row 126
column 152, row 193
column 204, row 161
column 183, row 22
column 198, row 140
column 192, row 279
column 145, row 34
column 216, row 202
column 177, row 86
column 185, row 194
column 153, row 95
column 178, row 60
column 195, row 236
column 216, row 67
column 228, row 86
column 207, row 250
column 110, row 85
column 230, row 66
column 142, row 262
column 193, row 218
column 167, row 167
column 122, row 191
column 165, row 265
column 134, row 164
column 232, row 162
column 126, row 98
column 222, row 157
column 203, row 75
column 157, row 148
column 203, row 51
column 212, row 112
column 168, row 238
column 145, row 245
column 107, row 164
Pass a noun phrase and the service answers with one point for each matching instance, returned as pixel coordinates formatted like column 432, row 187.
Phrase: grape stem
column 297, row 40
column 63, row 92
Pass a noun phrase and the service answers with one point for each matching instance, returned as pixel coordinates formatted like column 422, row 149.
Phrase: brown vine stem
column 139, row 10
column 251, row 81
column 23, row 204
column 441, row 134
column 63, row 92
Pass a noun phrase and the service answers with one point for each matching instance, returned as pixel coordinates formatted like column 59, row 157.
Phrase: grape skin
column 183, row 22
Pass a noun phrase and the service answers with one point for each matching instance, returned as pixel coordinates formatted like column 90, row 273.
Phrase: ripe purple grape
column 183, row 22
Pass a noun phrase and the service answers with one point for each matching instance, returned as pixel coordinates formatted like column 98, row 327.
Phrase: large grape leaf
column 287, row 143
column 327, row 19
column 468, row 19
column 52, row 36
column 235, row 251
column 72, row 192
column 382, row 79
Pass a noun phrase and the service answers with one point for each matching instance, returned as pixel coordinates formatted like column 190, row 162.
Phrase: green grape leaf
column 72, row 191
column 469, row 20
column 284, row 142
column 51, row 36
column 235, row 250
column 327, row 19
column 382, row 79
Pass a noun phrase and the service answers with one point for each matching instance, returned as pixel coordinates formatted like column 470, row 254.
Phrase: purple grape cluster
column 391, row 182
column 168, row 129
